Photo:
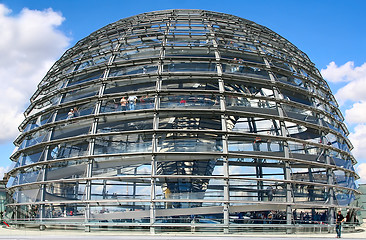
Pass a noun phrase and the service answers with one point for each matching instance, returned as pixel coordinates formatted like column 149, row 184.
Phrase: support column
column 152, row 195
column 88, row 195
column 226, row 205
column 286, row 149
column 153, row 173
column 89, row 171
column 44, row 178
column 226, row 195
column 155, row 137
column 330, row 193
column 43, row 193
column 287, row 176
column 330, row 180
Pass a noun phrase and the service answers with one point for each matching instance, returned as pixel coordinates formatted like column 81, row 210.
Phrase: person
column 270, row 193
column 182, row 101
column 70, row 114
column 339, row 220
column 123, row 103
column 132, row 102
column 76, row 112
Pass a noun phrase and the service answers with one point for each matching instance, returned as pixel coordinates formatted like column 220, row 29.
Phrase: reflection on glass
column 68, row 150
column 39, row 121
column 237, row 68
column 75, row 111
column 182, row 144
column 121, row 125
column 181, row 101
column 80, row 93
column 186, row 66
column 128, row 103
column 85, row 78
column 123, row 144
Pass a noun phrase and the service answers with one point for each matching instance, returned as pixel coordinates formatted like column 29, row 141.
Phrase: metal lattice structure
column 181, row 118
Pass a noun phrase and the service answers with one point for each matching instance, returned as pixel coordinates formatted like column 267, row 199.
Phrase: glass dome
column 182, row 118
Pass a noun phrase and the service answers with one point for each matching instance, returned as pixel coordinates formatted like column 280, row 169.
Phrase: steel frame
column 236, row 110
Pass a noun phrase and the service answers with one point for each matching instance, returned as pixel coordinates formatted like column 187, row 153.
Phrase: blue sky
column 327, row 31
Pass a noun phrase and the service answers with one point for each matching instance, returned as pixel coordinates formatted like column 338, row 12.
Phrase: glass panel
column 190, row 83
column 261, row 144
column 68, row 150
column 283, row 65
column 30, row 156
column 253, row 125
column 237, row 68
column 39, row 121
column 51, row 88
column 317, row 175
column 309, row 193
column 196, row 41
column 342, row 163
column 113, row 125
column 35, row 138
column 340, row 178
column 186, row 66
column 344, row 197
column 93, row 62
column 80, row 93
column 232, row 56
column 188, row 188
column 123, row 144
column 296, row 97
column 130, row 86
column 67, row 170
column 30, row 176
column 127, row 213
column 190, row 101
column 237, row 44
column 252, row 190
column 73, row 129
column 40, row 106
column 64, row 192
column 76, row 111
column 248, row 89
column 189, row 142
column 85, row 78
column 120, row 71
column 29, row 196
column 116, row 167
column 128, row 103
column 141, row 52
column 291, row 80
column 120, row 190
column 190, row 52
column 302, row 114
column 244, row 102
column 190, row 121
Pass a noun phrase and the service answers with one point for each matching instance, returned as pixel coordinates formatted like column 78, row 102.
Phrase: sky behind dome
column 34, row 34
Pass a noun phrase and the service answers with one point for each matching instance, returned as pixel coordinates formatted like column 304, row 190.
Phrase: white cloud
column 358, row 139
column 352, row 91
column 357, row 113
column 345, row 73
column 30, row 43
column 355, row 77
column 3, row 169
column 361, row 170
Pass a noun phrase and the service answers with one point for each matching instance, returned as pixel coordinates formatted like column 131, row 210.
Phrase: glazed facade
column 181, row 117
